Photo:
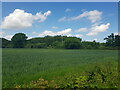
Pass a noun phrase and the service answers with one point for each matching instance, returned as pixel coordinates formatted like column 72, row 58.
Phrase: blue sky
column 86, row 20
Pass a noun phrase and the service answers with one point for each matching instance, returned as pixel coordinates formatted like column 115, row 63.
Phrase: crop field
column 21, row 66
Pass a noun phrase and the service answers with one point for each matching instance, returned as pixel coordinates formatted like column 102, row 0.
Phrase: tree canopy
column 72, row 43
column 112, row 40
column 18, row 40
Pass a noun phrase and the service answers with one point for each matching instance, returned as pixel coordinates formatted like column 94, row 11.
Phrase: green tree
column 5, row 43
column 35, row 40
column 117, row 40
column 72, row 43
column 57, row 44
column 110, row 40
column 19, row 40
column 90, row 45
column 39, row 45
column 49, row 40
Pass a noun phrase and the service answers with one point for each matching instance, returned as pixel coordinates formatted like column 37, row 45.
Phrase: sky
column 87, row 20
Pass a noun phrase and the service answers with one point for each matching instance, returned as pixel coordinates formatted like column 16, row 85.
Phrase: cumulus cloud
column 3, row 35
column 117, row 33
column 95, row 39
column 78, row 35
column 29, row 38
column 66, row 32
column 93, row 16
column 82, row 30
column 8, row 37
column 46, row 32
column 68, row 10
column 97, row 29
column 47, row 13
column 69, row 35
column 51, row 33
column 20, row 19
column 54, row 27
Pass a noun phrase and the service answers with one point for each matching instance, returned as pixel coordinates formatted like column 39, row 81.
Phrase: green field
column 20, row 66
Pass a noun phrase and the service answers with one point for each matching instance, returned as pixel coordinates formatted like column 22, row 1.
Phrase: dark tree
column 19, row 40
column 5, row 43
column 49, row 40
column 90, row 45
column 72, row 43
column 35, row 40
column 117, row 40
column 110, row 40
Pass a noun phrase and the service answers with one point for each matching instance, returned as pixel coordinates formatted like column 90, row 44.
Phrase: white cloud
column 1, row 34
column 51, row 33
column 62, row 19
column 95, row 39
column 78, row 35
column 54, row 27
column 69, row 35
column 93, row 16
column 20, row 19
column 82, row 30
column 117, row 33
column 68, row 10
column 97, row 29
column 29, row 38
column 64, row 32
column 8, row 37
column 47, row 13
column 46, row 32
column 34, row 33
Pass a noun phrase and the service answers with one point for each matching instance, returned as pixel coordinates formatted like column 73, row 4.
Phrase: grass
column 20, row 66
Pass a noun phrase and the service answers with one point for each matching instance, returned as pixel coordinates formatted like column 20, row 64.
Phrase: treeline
column 20, row 40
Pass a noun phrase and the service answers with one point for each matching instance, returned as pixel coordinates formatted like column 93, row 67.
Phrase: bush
column 100, row 76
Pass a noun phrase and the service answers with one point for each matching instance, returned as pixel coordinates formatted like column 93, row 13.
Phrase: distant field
column 20, row 66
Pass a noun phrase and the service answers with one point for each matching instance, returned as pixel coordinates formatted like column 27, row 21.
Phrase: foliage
column 5, row 43
column 72, row 43
column 18, row 40
column 40, row 83
column 57, row 44
column 90, row 45
column 112, row 40
column 36, row 45
column 99, row 77
column 35, row 40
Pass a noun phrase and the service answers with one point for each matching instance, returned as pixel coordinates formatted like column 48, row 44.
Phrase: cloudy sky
column 89, row 21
